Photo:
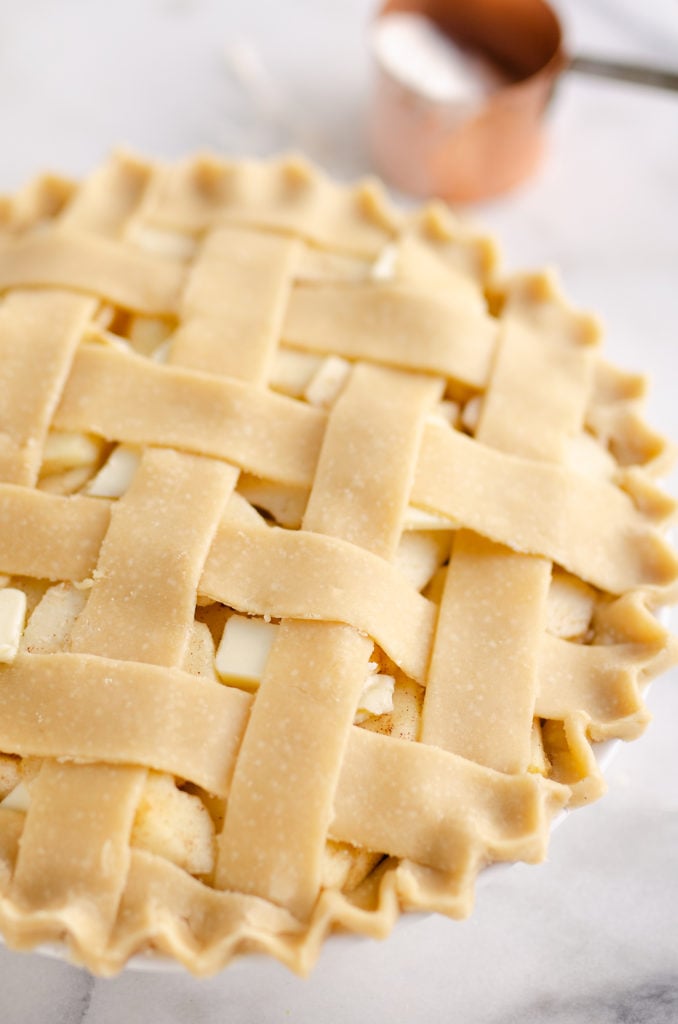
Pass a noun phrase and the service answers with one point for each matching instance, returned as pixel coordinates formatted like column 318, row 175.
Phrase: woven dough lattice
column 327, row 558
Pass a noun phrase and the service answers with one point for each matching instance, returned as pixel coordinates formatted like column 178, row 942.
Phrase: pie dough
column 238, row 389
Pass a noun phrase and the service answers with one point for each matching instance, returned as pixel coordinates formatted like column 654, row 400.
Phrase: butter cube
column 244, row 649
column 12, row 618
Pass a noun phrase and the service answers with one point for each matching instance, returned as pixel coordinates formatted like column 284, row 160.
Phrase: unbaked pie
column 327, row 557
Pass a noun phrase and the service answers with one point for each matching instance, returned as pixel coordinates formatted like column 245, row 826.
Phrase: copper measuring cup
column 424, row 147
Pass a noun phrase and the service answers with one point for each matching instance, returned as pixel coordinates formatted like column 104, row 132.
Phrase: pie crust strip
column 315, row 672
column 121, row 590
column 586, row 525
column 482, row 684
column 81, row 261
column 142, row 603
column 290, row 574
column 615, row 417
column 605, row 682
column 490, row 492
column 234, row 302
column 47, row 536
column 427, row 805
column 363, row 498
column 313, row 678
column 148, row 594
column 74, row 853
column 39, row 332
column 481, row 687
column 43, row 329
column 393, row 325
column 540, row 339
column 304, row 575
column 83, row 707
column 193, row 730
column 126, row 398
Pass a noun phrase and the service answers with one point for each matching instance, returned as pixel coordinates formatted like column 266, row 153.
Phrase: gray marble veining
column 654, row 1001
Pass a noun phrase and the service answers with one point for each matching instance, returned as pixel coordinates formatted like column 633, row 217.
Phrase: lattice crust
column 327, row 557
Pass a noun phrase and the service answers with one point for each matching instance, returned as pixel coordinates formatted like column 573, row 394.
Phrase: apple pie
column 327, row 557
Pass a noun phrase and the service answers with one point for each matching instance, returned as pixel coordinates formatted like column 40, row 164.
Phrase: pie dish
column 327, row 558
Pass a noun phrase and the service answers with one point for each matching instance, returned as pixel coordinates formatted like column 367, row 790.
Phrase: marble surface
column 592, row 935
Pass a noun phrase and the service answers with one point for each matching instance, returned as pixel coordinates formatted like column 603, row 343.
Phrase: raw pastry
column 326, row 558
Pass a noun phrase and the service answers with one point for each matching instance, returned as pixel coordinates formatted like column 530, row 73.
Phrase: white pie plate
column 151, row 961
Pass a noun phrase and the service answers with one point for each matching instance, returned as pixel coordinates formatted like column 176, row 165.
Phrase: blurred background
column 166, row 77
column 169, row 76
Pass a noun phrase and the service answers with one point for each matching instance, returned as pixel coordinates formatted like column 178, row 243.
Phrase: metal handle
column 640, row 74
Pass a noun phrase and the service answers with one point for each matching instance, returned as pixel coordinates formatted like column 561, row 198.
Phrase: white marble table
column 592, row 935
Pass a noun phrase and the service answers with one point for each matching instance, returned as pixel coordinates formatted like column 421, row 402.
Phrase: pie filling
column 327, row 556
